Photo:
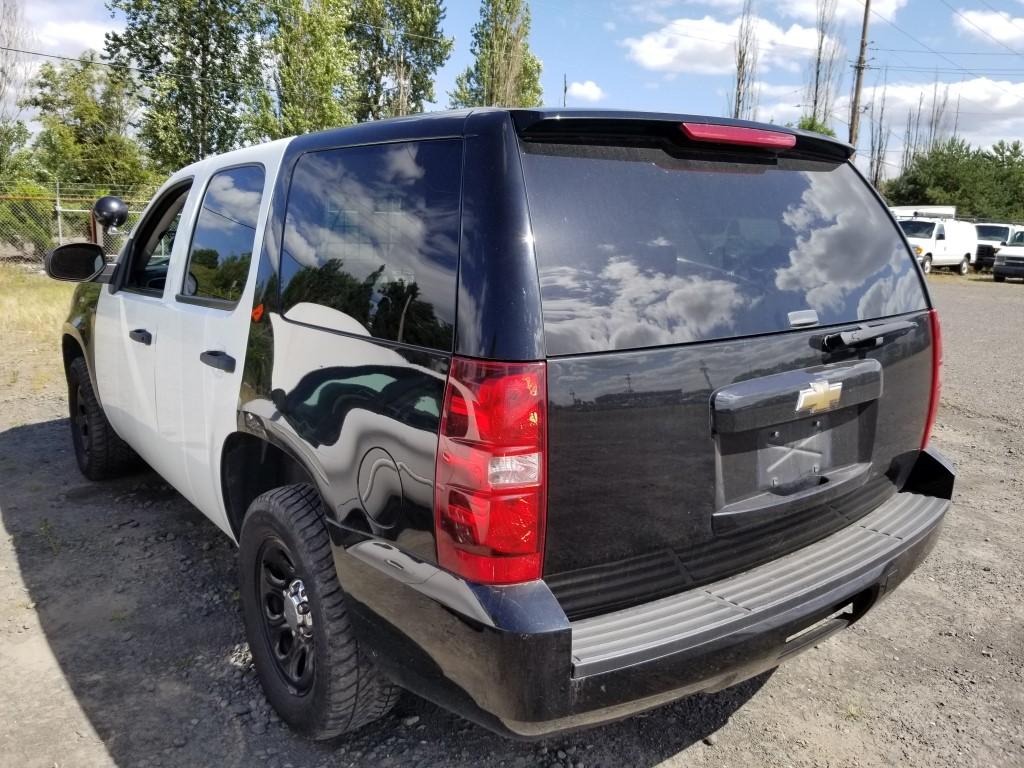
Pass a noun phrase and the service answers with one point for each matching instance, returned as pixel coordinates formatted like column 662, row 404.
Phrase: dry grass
column 32, row 309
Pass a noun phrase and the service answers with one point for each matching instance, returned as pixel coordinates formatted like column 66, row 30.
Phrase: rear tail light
column 736, row 134
column 933, row 403
column 490, row 484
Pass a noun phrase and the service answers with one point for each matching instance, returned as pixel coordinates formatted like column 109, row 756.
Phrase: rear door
column 207, row 326
column 697, row 424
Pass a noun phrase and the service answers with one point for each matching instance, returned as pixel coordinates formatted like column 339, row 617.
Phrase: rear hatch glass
column 636, row 248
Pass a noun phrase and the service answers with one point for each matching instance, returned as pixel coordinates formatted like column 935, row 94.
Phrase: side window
column 225, row 234
column 153, row 241
column 371, row 238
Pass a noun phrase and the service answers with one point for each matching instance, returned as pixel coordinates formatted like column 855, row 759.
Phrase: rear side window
column 636, row 248
column 225, row 233
column 372, row 233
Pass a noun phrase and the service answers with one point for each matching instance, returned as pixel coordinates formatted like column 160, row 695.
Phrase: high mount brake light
column 936, row 391
column 738, row 135
column 490, row 485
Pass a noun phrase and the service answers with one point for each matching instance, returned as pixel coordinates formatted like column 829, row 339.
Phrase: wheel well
column 70, row 349
column 251, row 466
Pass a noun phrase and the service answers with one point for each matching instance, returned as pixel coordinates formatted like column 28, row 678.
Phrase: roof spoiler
column 597, row 125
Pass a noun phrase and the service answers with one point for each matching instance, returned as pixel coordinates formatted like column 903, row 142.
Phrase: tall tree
column 879, row 135
column 200, row 65
column 13, row 132
column 504, row 73
column 826, row 66
column 310, row 68
column 744, row 99
column 86, row 110
column 399, row 46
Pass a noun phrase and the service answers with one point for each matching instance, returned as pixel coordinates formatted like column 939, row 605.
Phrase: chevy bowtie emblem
column 820, row 396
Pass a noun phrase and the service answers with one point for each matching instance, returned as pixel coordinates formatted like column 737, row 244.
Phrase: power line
column 906, row 34
column 981, row 29
column 950, row 53
column 1012, row 19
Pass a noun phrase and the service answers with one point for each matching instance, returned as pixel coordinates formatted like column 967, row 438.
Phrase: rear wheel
column 926, row 264
column 965, row 266
column 312, row 669
column 100, row 453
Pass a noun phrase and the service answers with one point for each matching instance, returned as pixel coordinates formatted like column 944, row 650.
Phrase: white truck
column 944, row 242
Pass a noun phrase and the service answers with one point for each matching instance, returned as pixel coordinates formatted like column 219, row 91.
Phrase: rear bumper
column 507, row 658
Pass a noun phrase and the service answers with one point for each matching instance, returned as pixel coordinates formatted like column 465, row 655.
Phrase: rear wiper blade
column 864, row 336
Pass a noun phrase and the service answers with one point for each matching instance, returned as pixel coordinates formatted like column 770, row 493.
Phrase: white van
column 941, row 242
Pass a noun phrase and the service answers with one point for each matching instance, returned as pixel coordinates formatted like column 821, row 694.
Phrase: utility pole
column 565, row 88
column 860, row 66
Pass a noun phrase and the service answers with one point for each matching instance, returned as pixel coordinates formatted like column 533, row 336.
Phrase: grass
column 32, row 310
column 49, row 536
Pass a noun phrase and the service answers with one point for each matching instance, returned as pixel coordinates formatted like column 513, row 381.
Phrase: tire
column 926, row 265
column 998, row 278
column 313, row 671
column 100, row 453
column 965, row 266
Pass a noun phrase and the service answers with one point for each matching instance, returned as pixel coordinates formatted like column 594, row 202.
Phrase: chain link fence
column 36, row 218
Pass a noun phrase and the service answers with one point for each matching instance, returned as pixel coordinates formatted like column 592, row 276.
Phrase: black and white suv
column 547, row 416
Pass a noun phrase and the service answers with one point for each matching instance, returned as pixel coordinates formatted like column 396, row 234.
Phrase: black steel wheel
column 100, row 453
column 309, row 661
column 287, row 617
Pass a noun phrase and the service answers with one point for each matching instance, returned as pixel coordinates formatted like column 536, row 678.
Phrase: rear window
column 637, row 249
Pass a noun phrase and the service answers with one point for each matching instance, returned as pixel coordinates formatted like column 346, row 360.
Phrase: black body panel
column 625, row 533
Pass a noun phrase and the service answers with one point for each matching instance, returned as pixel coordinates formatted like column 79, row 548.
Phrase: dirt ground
column 121, row 641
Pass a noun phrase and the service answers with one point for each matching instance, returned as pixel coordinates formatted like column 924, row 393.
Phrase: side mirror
column 1003, row 243
column 76, row 262
column 940, row 236
column 110, row 212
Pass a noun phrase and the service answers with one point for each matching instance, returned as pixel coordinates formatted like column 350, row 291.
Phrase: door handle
column 219, row 360
column 141, row 335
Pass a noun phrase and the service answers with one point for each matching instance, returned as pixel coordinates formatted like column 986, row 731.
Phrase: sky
column 677, row 56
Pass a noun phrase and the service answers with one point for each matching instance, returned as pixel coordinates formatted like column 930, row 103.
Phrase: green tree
column 85, row 110
column 311, row 77
column 809, row 123
column 200, row 62
column 504, row 73
column 399, row 47
column 952, row 173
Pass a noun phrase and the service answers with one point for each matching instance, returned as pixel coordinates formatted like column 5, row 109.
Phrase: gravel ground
column 121, row 641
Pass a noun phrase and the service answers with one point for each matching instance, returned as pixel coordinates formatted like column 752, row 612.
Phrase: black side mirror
column 940, row 236
column 76, row 262
column 110, row 212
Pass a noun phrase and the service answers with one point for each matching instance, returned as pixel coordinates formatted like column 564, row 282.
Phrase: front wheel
column 312, row 669
column 926, row 265
column 101, row 454
column 998, row 278
column 965, row 266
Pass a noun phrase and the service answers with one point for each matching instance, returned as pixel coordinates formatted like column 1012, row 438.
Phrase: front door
column 207, row 327
column 128, row 327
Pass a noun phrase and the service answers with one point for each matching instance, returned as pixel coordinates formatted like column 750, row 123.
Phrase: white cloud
column 73, row 35
column 705, row 46
column 846, row 10
column 989, row 110
column 588, row 90
column 984, row 25
column 610, row 26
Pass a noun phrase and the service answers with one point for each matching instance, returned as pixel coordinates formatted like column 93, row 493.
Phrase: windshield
column 993, row 232
column 636, row 248
column 922, row 229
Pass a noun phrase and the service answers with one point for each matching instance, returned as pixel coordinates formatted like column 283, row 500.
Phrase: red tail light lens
column 490, row 499
column 933, row 403
column 736, row 134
